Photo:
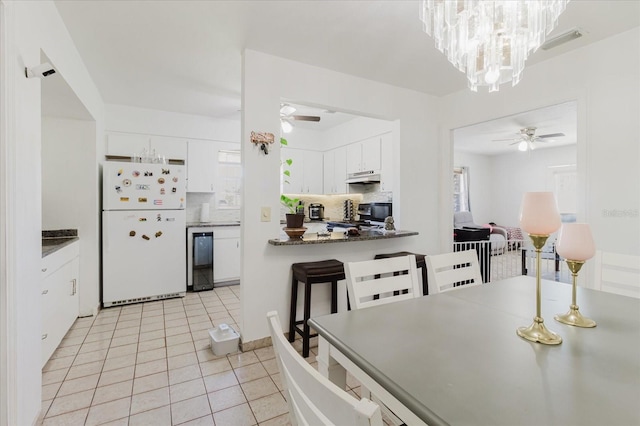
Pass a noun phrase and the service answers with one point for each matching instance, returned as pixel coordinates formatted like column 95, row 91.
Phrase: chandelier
column 490, row 40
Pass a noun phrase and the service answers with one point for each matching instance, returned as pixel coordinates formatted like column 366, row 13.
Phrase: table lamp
column 576, row 245
column 539, row 218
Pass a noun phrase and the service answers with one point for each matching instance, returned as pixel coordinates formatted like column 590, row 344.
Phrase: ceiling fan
column 287, row 117
column 527, row 137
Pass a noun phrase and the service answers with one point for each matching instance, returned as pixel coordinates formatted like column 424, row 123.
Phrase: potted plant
column 295, row 216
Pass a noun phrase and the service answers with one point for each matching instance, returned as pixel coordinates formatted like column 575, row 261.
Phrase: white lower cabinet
column 226, row 253
column 60, row 307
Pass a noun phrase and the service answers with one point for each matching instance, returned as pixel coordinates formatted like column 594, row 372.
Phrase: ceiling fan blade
column 550, row 135
column 505, row 140
column 306, row 117
column 517, row 142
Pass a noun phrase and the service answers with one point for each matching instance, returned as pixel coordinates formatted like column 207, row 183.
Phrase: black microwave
column 375, row 212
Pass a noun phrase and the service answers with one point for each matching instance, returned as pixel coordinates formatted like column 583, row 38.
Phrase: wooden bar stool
column 324, row 271
column 420, row 263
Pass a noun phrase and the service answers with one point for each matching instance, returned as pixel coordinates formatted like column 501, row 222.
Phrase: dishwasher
column 200, row 259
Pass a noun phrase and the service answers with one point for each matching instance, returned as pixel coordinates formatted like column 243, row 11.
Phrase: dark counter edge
column 372, row 237
column 57, row 244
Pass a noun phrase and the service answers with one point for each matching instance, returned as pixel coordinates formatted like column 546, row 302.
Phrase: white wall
column 481, row 188
column 130, row 119
column 68, row 197
column 519, row 172
column 497, row 182
column 32, row 27
column 355, row 130
column 265, row 268
column 603, row 78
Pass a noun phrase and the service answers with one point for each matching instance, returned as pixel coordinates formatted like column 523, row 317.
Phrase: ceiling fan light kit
column 490, row 40
column 527, row 138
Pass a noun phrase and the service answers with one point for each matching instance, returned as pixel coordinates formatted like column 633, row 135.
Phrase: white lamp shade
column 575, row 242
column 539, row 213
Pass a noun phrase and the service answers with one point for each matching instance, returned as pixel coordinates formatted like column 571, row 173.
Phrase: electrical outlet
column 265, row 214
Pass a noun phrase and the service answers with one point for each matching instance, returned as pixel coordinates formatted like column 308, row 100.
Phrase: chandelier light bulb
column 522, row 146
column 490, row 40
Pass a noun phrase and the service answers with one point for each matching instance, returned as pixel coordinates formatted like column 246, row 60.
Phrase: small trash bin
column 224, row 339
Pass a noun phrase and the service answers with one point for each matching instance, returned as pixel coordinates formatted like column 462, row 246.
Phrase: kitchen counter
column 312, row 238
column 207, row 224
column 53, row 241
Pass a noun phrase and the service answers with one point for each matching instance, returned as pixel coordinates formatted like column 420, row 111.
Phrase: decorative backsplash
column 195, row 201
column 333, row 204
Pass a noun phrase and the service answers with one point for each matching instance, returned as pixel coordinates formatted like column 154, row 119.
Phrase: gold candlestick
column 537, row 332
column 574, row 317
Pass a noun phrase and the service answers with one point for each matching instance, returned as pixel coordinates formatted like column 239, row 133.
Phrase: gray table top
column 454, row 358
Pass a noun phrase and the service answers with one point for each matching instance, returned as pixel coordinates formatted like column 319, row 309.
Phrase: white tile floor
column 151, row 364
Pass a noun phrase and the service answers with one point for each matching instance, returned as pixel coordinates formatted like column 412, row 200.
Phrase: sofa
column 497, row 235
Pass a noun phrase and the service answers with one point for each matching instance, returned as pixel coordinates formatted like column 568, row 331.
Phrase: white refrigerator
column 143, row 232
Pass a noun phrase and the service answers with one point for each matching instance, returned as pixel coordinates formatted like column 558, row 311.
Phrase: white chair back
column 446, row 270
column 382, row 277
column 312, row 398
column 617, row 273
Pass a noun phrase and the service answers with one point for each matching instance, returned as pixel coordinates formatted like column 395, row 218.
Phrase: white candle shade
column 539, row 213
column 575, row 242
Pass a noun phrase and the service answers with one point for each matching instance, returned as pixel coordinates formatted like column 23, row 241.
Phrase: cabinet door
column 312, row 172
column 386, row 163
column 171, row 148
column 371, row 154
column 200, row 166
column 226, row 254
column 328, row 175
column 294, row 183
column 354, row 157
column 340, row 170
column 124, row 144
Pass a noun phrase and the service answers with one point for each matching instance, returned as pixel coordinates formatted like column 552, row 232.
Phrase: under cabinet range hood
column 368, row 176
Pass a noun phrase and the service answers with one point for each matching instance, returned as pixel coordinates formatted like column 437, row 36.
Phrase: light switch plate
column 265, row 214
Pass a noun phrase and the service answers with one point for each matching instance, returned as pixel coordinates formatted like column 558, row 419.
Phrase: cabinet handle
column 73, row 292
column 44, row 269
column 237, row 244
column 44, row 336
column 45, row 291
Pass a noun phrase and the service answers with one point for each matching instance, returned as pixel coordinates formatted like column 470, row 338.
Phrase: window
column 461, row 190
column 230, row 179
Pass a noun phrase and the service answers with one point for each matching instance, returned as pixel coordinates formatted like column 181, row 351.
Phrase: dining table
column 454, row 358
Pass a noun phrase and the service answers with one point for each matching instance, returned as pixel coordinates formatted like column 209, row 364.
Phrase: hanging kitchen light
column 490, row 40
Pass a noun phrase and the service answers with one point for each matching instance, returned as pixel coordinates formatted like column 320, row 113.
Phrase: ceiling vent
column 565, row 37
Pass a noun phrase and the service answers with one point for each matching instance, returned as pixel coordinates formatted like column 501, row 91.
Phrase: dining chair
column 617, row 273
column 379, row 281
column 449, row 271
column 312, row 398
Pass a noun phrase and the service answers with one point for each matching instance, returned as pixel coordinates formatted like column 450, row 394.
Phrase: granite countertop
column 53, row 241
column 203, row 224
column 312, row 238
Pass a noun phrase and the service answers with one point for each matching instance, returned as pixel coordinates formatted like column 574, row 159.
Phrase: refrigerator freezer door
column 144, row 255
column 143, row 186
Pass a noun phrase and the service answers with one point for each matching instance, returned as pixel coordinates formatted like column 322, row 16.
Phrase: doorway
column 503, row 158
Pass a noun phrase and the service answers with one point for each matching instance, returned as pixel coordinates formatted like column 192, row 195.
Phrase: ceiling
column 185, row 56
column 480, row 138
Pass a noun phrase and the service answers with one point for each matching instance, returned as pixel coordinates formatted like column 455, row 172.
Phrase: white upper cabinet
column 364, row 155
column 129, row 144
column 386, row 163
column 335, row 171
column 201, row 159
column 305, row 171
